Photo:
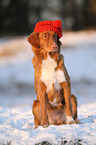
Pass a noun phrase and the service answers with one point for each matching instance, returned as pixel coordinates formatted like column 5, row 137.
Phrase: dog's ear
column 59, row 44
column 58, row 41
column 33, row 39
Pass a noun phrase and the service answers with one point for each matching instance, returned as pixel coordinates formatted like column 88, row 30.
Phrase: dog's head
column 47, row 40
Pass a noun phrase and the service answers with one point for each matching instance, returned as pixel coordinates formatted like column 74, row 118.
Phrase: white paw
column 45, row 126
column 69, row 120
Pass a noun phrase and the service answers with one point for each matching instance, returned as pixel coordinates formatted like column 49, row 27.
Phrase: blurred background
column 20, row 16
column 18, row 19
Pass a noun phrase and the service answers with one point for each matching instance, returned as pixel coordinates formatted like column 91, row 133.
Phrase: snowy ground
column 17, row 92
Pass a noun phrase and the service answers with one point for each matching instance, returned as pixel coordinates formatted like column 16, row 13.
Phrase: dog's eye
column 55, row 36
column 44, row 36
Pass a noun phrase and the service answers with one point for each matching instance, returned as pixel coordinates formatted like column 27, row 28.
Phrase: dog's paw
column 69, row 120
column 78, row 121
column 45, row 124
column 36, row 126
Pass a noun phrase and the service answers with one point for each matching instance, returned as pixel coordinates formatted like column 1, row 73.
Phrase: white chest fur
column 50, row 76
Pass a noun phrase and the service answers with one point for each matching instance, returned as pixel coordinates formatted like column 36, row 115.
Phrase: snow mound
column 17, row 128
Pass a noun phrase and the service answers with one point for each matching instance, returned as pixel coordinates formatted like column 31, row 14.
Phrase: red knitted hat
column 48, row 25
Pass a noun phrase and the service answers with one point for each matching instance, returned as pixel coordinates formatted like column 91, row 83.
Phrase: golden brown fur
column 45, row 113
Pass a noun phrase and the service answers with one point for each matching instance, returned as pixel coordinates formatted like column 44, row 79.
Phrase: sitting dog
column 55, row 104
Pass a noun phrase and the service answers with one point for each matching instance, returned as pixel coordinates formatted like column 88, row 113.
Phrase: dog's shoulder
column 61, row 57
column 61, row 65
column 60, row 62
column 33, row 61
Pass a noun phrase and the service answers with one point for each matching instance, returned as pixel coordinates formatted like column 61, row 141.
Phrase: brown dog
column 54, row 104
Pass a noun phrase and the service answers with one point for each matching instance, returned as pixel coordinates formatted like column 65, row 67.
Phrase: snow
column 17, row 92
column 17, row 127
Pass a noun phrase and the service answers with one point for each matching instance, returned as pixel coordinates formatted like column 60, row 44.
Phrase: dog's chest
column 50, row 76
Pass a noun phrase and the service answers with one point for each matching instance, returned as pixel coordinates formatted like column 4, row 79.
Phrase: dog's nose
column 54, row 47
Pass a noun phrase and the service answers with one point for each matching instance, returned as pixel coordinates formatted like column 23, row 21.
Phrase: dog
column 55, row 104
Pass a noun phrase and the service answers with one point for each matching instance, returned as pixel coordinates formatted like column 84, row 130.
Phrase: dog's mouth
column 52, row 52
column 54, row 48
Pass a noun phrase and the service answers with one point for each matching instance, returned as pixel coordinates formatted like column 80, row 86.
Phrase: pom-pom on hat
column 48, row 25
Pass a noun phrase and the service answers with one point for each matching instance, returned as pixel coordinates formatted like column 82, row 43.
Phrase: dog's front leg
column 43, row 102
column 67, row 95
